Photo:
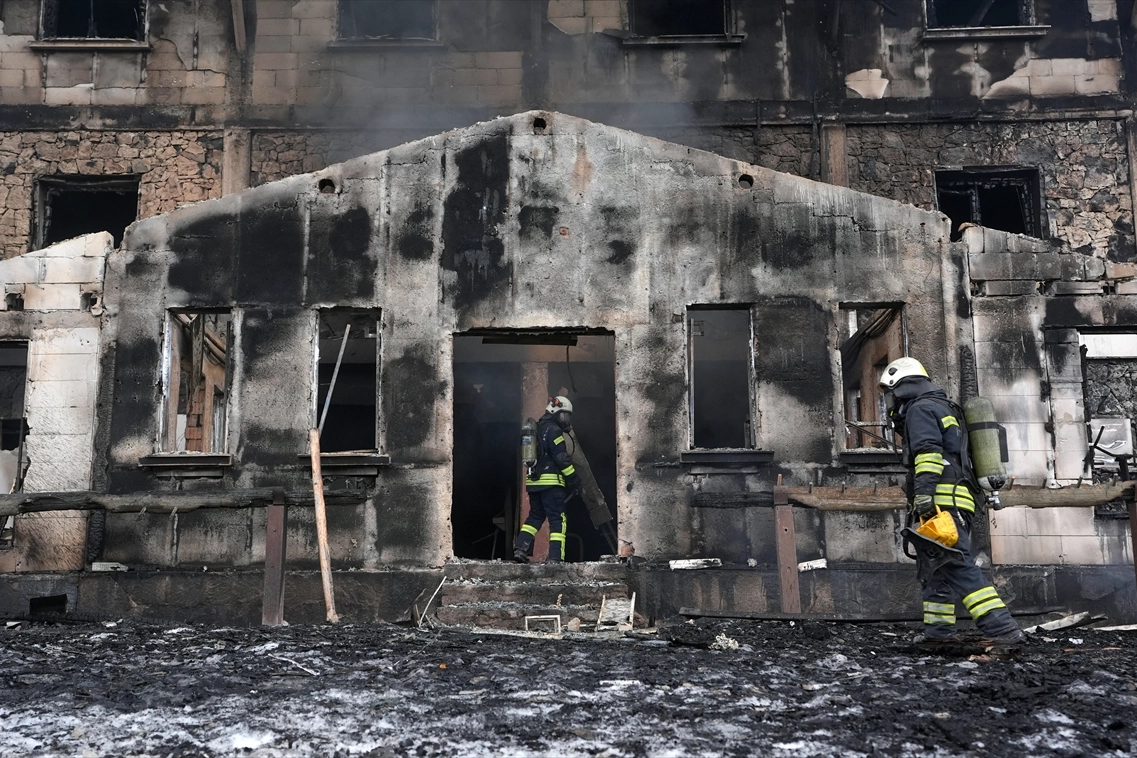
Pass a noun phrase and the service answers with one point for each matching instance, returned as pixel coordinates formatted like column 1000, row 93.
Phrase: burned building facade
column 882, row 178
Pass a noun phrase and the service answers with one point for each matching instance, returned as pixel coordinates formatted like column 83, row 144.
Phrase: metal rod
column 335, row 373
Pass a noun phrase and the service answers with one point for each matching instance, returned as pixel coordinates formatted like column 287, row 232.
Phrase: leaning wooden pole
column 322, row 525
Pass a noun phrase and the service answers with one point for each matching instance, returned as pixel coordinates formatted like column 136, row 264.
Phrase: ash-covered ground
column 714, row 688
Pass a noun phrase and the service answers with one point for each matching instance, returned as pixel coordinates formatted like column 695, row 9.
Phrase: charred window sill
column 727, row 458
column 105, row 45
column 956, row 33
column 351, row 463
column 871, row 462
column 363, row 43
column 724, row 40
column 187, row 465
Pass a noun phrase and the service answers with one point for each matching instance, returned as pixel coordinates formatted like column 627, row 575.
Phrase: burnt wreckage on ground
column 718, row 326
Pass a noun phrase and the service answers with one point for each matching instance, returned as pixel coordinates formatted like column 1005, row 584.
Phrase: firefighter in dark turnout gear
column 939, row 478
column 549, row 483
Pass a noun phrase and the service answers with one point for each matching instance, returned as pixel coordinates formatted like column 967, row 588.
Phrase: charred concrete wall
column 535, row 221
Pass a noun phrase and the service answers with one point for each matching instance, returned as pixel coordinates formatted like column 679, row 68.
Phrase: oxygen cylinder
column 529, row 443
column 983, row 436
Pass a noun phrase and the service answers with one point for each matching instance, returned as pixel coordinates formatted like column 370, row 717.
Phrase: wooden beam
column 322, row 527
column 272, row 605
column 239, row 39
column 786, row 543
column 890, row 498
column 161, row 502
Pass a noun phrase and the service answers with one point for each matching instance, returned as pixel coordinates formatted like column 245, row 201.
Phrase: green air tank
column 983, row 437
column 529, row 443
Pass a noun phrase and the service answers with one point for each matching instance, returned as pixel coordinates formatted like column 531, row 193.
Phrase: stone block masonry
column 1083, row 169
column 175, row 168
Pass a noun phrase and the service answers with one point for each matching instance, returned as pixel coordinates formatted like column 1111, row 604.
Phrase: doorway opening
column 500, row 379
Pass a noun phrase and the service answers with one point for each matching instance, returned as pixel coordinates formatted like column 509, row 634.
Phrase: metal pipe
column 335, row 374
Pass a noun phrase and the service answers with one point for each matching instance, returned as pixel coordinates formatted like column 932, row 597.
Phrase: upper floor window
column 720, row 377
column 979, row 13
column 1008, row 199
column 70, row 206
column 390, row 19
column 94, row 19
column 667, row 18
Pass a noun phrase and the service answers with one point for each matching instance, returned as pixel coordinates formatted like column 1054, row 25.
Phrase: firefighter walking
column 940, row 478
column 549, row 482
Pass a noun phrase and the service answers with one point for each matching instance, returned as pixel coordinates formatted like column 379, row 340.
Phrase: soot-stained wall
column 536, row 221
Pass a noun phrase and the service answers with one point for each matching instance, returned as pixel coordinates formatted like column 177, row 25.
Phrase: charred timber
column 162, row 502
column 890, row 498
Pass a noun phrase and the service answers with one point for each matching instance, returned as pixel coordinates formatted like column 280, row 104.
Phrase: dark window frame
column 880, row 319
column 637, row 24
column 47, row 186
column 375, row 317
column 51, row 15
column 347, row 25
column 939, row 18
column 967, row 182
column 750, row 433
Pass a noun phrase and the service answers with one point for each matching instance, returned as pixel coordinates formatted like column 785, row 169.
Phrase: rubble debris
column 1069, row 622
column 694, row 563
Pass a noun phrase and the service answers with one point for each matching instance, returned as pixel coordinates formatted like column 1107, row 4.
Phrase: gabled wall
column 514, row 225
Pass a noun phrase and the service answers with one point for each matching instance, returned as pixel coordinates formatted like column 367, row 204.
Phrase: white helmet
column 558, row 403
column 901, row 369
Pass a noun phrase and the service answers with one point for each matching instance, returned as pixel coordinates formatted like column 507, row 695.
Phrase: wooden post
column 787, row 549
column 322, row 526
column 272, row 608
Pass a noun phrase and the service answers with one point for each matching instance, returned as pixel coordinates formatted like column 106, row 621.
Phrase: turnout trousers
column 547, row 503
column 967, row 583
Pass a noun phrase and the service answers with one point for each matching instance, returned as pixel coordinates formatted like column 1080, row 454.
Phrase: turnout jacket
column 553, row 468
column 935, row 452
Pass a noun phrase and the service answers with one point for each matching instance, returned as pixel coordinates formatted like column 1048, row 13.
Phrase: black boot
column 520, row 556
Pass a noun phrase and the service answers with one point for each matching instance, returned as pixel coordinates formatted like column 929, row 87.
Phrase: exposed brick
column 602, row 8
column 499, row 95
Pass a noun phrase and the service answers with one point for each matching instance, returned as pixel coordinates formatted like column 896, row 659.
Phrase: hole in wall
column 14, row 301
column 50, row 605
column 71, row 206
column 746, row 181
column 326, row 186
column 539, row 125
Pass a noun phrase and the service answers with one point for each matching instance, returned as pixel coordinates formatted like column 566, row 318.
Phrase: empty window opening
column 51, row 605
column 502, row 378
column 68, row 206
column 1109, row 384
column 665, row 18
column 871, row 338
column 351, row 421
column 196, row 381
column 720, row 377
column 1005, row 199
column 94, row 19
column 390, row 19
column 973, row 13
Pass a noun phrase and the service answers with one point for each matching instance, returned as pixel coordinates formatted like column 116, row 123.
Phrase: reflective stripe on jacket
column 553, row 468
column 933, row 453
